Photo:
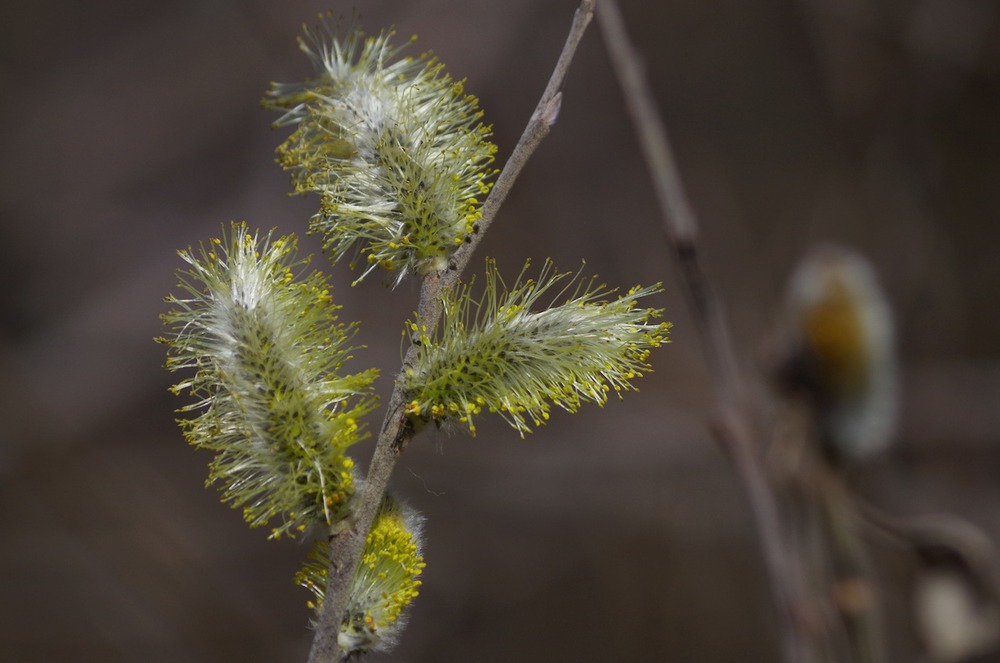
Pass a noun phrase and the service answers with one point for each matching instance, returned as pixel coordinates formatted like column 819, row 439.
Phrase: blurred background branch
column 734, row 428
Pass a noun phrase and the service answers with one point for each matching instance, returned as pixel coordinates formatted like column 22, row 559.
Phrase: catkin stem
column 346, row 546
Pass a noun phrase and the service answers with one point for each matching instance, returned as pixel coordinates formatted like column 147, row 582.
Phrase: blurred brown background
column 131, row 129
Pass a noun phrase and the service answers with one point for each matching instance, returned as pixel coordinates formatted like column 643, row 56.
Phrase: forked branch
column 346, row 546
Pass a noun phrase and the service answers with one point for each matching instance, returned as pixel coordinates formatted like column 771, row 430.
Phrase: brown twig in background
column 854, row 594
column 957, row 564
column 346, row 546
column 733, row 429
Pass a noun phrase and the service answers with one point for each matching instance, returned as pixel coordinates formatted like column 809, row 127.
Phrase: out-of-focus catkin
column 839, row 352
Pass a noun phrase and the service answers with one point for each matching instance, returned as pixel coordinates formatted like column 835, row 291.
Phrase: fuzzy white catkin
column 394, row 148
column 512, row 354
column 264, row 353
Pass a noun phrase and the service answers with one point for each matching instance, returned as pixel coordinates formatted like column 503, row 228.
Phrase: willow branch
column 346, row 546
column 733, row 429
column 538, row 127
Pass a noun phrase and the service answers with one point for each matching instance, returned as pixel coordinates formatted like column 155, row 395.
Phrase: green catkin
column 387, row 580
column 393, row 146
column 499, row 354
column 266, row 349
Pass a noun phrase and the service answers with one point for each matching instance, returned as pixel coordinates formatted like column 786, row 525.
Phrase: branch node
column 550, row 111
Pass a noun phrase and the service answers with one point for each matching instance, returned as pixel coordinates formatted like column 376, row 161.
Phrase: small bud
column 956, row 589
column 386, row 583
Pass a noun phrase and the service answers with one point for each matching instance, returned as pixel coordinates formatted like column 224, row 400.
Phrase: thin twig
column 538, row 127
column 937, row 537
column 346, row 546
column 852, row 588
column 733, row 428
